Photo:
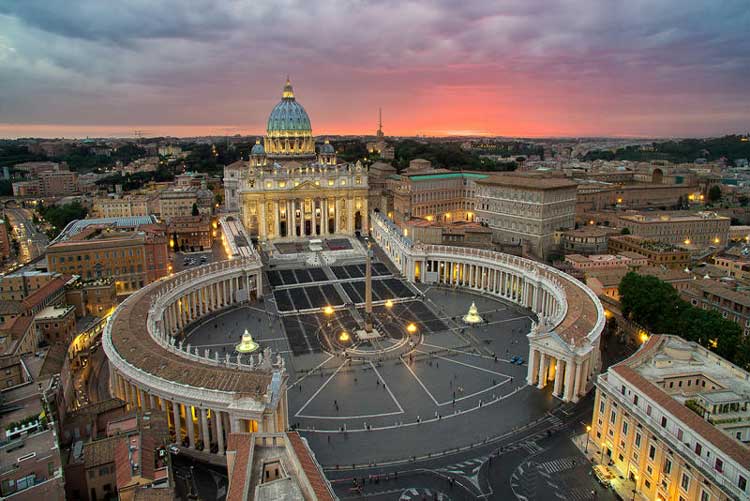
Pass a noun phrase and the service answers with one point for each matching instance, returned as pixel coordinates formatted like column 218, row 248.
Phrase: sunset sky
column 79, row 68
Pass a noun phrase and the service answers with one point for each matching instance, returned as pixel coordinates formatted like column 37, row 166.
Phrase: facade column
column 235, row 426
column 577, row 387
column 219, row 430
column 532, row 370
column 324, row 216
column 204, row 429
column 559, row 368
column 262, row 220
column 569, row 380
column 276, row 219
column 176, row 421
column 542, row 371
column 190, row 426
column 350, row 216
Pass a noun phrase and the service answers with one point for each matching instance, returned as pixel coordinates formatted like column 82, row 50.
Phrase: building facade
column 287, row 191
column 667, row 419
column 526, row 210
column 701, row 229
column 657, row 253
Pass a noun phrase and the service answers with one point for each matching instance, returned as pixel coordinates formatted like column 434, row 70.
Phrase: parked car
column 603, row 475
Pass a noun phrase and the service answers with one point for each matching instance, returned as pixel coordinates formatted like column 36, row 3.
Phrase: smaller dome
column 327, row 148
column 257, row 148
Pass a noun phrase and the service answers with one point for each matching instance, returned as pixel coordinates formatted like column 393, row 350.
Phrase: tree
column 196, row 212
column 60, row 216
column 657, row 306
column 714, row 194
column 743, row 200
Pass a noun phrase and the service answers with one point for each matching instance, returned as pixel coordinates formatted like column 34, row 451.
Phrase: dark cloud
column 222, row 62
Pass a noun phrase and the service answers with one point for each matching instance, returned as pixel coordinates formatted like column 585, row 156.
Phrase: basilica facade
column 288, row 190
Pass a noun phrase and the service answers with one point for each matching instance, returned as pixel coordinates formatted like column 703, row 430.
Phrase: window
column 667, row 466
column 698, row 448
column 648, row 410
column 625, row 428
column 638, row 440
column 601, row 407
column 742, row 483
column 719, row 465
column 663, row 422
column 679, row 434
column 635, row 399
column 685, row 482
column 705, row 496
column 612, row 416
column 651, row 452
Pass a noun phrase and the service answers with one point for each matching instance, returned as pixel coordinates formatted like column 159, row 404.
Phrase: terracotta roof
column 134, row 344
column 146, row 493
column 19, row 326
column 42, row 293
column 729, row 446
column 10, row 307
column 122, row 461
column 581, row 316
column 310, row 467
column 99, row 452
column 240, row 443
column 529, row 181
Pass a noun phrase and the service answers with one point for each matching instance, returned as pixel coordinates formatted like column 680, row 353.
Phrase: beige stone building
column 287, row 191
column 526, row 209
column 673, row 421
column 701, row 229
column 127, row 206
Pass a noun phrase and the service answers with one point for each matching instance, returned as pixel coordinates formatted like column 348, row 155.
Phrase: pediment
column 306, row 185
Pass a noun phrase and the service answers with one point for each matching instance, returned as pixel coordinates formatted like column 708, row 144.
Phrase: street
column 32, row 242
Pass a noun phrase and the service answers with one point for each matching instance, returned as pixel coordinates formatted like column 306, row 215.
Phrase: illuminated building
column 673, row 420
column 286, row 190
column 701, row 229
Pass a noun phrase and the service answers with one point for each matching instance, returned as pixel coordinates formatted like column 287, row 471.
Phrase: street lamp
column 389, row 303
column 588, row 430
column 411, row 328
column 328, row 310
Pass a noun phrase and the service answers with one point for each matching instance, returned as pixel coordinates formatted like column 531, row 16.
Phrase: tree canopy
column 446, row 156
column 686, row 150
column 60, row 215
column 657, row 306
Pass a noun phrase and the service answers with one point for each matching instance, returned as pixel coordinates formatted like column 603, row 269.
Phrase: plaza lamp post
column 588, row 431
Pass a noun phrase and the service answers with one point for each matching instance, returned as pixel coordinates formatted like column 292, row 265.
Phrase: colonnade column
column 177, row 425
column 219, row 430
column 542, row 371
column 206, row 437
column 569, row 380
column 558, row 377
column 190, row 428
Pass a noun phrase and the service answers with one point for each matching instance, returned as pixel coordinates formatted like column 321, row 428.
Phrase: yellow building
column 286, row 190
column 674, row 421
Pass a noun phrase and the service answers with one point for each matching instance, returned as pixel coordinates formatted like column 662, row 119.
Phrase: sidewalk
column 624, row 487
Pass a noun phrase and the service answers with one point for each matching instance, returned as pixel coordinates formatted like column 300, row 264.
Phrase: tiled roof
column 134, row 344
column 99, row 452
column 731, row 447
column 310, row 467
column 241, row 444
column 42, row 293
column 529, row 181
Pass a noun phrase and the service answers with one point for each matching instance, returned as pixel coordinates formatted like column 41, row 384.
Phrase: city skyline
column 518, row 69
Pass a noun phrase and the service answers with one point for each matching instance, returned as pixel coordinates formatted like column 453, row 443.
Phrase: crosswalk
column 557, row 465
column 465, row 468
column 419, row 494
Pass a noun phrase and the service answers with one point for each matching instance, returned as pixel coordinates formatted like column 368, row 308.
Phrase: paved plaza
column 453, row 387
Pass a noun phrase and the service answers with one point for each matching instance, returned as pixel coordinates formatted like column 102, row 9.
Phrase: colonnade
column 507, row 284
column 199, row 426
column 569, row 374
column 563, row 345
column 207, row 298
column 312, row 217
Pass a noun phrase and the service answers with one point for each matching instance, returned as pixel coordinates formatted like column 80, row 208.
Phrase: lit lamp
column 644, row 337
column 411, row 328
column 344, row 337
column 588, row 430
column 389, row 304
column 328, row 310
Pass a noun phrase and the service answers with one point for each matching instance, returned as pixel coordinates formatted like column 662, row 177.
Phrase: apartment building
column 657, row 253
column 721, row 297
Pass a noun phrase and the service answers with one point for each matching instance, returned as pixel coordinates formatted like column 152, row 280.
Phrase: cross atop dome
column 288, row 91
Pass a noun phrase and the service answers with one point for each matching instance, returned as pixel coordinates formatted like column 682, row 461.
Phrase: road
column 32, row 241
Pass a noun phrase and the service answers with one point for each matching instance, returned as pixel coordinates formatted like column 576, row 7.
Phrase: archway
column 308, row 227
column 358, row 221
column 657, row 176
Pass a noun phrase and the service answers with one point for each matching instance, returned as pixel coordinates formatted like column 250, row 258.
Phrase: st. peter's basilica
column 288, row 190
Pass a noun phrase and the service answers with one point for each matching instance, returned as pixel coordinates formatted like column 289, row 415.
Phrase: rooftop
column 663, row 357
column 54, row 312
column 118, row 222
column 529, row 181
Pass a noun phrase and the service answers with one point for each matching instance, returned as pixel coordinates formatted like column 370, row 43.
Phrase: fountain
column 247, row 344
column 472, row 317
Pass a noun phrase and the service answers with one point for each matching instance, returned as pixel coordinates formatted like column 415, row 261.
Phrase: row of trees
column 60, row 215
column 447, row 156
column 657, row 306
column 686, row 150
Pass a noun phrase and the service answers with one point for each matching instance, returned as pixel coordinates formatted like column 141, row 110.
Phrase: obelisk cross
column 368, row 289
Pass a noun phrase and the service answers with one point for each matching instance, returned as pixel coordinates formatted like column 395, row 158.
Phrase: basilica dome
column 289, row 130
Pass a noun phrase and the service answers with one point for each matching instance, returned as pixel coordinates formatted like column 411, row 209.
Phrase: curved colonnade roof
column 135, row 345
